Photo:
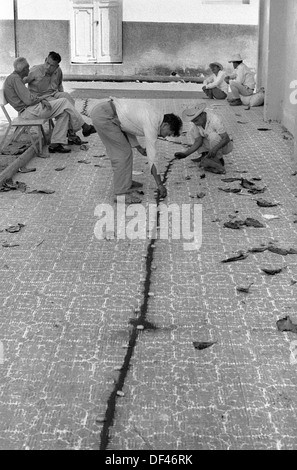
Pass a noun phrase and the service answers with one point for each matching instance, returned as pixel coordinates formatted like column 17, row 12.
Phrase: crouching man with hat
column 215, row 86
column 208, row 137
column 242, row 81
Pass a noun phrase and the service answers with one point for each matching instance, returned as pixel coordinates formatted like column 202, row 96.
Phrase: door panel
column 82, row 29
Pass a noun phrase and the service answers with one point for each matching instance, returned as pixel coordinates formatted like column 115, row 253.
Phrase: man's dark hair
column 174, row 122
column 55, row 56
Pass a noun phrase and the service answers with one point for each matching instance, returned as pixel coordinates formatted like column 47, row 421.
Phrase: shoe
column 215, row 165
column 236, row 103
column 90, row 130
column 215, row 170
column 58, row 148
column 199, row 159
column 74, row 140
column 135, row 184
column 129, row 198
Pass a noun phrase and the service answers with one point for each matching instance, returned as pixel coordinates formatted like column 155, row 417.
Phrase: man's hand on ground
column 162, row 190
column 180, row 155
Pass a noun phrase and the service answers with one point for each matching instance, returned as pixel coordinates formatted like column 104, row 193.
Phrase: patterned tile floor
column 71, row 304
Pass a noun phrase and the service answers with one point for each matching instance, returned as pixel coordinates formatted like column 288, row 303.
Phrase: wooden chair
column 19, row 124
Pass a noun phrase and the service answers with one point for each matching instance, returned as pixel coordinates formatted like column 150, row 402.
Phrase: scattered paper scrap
column 270, row 216
column 250, row 222
column 257, row 190
column 9, row 245
column 60, row 168
column 272, row 272
column 230, row 180
column 203, row 344
column 83, row 161
column 238, row 257
column 263, row 203
column 84, row 147
column 282, row 251
column 41, row 191
column 246, row 183
column 286, row 324
column 201, row 195
column 14, row 228
column 244, row 289
column 26, row 170
column 230, row 190
column 258, row 249
column 9, row 185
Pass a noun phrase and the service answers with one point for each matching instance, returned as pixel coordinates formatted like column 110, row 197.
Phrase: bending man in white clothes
column 208, row 137
column 118, row 122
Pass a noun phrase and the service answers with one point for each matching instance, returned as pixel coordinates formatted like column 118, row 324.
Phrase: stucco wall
column 162, row 11
column 278, row 41
column 148, row 48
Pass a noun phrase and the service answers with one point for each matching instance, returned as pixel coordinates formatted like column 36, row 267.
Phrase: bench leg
column 3, row 140
column 33, row 143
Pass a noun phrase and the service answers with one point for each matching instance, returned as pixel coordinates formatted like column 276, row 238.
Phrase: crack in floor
column 140, row 320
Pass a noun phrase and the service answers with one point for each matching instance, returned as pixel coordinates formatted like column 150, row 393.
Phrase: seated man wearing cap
column 215, row 86
column 208, row 137
column 242, row 81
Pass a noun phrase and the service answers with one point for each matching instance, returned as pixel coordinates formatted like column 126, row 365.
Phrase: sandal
column 135, row 184
column 129, row 199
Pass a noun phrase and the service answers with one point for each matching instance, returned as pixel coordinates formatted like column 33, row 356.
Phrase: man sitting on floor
column 46, row 81
column 208, row 137
column 215, row 86
column 30, row 107
column 242, row 81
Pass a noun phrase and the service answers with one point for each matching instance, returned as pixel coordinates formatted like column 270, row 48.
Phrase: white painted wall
column 167, row 11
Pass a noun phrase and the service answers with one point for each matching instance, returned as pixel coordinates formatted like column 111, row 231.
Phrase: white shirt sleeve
column 150, row 144
column 217, row 80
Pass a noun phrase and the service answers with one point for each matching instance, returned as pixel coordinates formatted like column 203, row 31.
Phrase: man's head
column 196, row 115
column 236, row 60
column 171, row 125
column 52, row 62
column 236, row 64
column 21, row 67
column 215, row 67
column 200, row 120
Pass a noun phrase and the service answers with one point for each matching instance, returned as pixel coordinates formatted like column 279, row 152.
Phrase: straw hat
column 218, row 64
column 236, row 58
column 191, row 113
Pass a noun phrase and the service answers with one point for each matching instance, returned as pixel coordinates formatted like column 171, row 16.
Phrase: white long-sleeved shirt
column 244, row 75
column 139, row 118
column 216, row 81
